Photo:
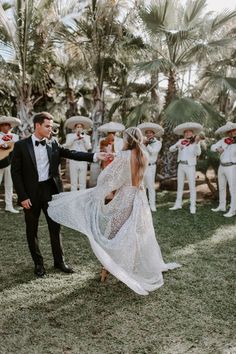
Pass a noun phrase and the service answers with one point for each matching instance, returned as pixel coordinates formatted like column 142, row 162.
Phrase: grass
column 75, row 314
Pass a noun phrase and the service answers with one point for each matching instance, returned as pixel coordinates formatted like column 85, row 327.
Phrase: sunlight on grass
column 192, row 313
column 222, row 234
column 49, row 288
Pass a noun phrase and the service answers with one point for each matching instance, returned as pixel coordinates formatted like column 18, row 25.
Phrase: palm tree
column 185, row 36
column 25, row 48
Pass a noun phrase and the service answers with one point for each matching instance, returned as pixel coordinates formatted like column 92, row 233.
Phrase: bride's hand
column 105, row 156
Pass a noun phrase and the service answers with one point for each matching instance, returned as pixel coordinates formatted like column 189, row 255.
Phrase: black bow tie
column 42, row 142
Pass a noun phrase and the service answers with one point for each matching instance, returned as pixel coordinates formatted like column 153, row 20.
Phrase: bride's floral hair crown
column 135, row 134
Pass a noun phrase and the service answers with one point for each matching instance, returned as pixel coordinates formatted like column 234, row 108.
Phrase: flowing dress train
column 121, row 233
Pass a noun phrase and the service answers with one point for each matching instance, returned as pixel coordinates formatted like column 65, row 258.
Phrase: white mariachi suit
column 226, row 173
column 187, row 159
column 6, row 173
column 151, row 151
column 118, row 144
column 78, row 169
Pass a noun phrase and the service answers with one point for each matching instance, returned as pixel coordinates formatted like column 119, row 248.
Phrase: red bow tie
column 229, row 141
column 7, row 137
column 185, row 142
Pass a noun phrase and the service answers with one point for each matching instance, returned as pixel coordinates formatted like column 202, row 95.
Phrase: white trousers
column 227, row 174
column 8, row 185
column 78, row 171
column 190, row 173
column 149, row 182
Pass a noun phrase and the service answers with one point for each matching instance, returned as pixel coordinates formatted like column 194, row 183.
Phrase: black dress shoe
column 39, row 270
column 63, row 267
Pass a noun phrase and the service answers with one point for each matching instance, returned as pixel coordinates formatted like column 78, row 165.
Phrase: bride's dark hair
column 133, row 139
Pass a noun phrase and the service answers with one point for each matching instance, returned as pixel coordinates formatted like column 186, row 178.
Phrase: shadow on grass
column 192, row 313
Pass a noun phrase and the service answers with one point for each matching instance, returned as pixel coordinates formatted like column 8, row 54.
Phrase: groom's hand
column 26, row 204
column 104, row 156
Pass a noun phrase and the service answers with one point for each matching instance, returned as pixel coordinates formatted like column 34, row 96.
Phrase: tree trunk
column 24, row 109
column 171, row 89
column 97, row 116
column 213, row 190
column 169, row 159
column 72, row 109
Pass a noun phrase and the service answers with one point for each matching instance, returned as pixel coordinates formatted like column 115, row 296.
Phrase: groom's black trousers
column 45, row 190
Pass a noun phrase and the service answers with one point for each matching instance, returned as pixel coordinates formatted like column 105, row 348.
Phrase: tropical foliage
column 129, row 61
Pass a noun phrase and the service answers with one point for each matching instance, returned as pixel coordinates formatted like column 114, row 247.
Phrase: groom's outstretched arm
column 83, row 156
column 76, row 155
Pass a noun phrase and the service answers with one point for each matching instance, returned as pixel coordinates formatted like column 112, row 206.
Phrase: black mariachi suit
column 25, row 179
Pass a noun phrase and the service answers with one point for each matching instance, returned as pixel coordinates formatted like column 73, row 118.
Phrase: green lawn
column 194, row 312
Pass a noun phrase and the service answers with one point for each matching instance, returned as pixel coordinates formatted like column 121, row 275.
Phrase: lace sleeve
column 113, row 176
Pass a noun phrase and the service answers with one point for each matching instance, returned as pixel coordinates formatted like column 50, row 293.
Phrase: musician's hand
column 180, row 146
column 26, row 204
column 220, row 150
column 197, row 139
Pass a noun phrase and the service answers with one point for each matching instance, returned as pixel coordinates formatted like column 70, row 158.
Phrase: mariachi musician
column 188, row 149
column 152, row 147
column 80, row 141
column 7, row 140
column 226, row 147
column 111, row 143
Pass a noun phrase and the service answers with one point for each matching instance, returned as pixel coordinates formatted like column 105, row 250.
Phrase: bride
column 121, row 232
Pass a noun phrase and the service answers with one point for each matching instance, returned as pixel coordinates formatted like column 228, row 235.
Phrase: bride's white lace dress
column 121, row 232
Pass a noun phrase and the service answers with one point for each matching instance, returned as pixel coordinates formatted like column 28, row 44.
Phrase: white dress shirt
column 42, row 160
column 73, row 143
column 229, row 153
column 187, row 153
column 14, row 137
column 152, row 150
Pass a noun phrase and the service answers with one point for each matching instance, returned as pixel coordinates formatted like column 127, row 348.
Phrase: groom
column 36, row 178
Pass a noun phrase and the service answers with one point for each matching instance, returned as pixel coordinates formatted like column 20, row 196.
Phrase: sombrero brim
column 226, row 128
column 111, row 127
column 195, row 127
column 72, row 121
column 156, row 128
column 14, row 122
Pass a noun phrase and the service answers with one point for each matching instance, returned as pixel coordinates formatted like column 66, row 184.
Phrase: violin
column 193, row 139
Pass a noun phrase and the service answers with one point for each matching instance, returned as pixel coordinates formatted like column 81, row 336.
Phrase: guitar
column 5, row 153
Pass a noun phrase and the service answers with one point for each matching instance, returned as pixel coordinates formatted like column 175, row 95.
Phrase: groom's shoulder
column 23, row 141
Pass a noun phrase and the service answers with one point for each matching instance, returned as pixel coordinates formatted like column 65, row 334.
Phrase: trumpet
column 55, row 131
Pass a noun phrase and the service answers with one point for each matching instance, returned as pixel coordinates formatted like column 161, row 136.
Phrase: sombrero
column 72, row 121
column 226, row 128
column 14, row 122
column 111, row 127
column 156, row 128
column 195, row 127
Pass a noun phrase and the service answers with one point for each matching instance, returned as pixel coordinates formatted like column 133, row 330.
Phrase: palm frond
column 6, row 25
column 220, row 80
column 153, row 66
column 182, row 110
column 154, row 15
column 140, row 113
column 213, row 119
column 222, row 19
column 194, row 9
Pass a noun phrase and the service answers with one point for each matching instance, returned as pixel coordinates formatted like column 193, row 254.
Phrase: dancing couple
column 121, row 233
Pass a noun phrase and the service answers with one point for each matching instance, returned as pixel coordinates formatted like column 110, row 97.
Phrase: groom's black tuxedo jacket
column 24, row 169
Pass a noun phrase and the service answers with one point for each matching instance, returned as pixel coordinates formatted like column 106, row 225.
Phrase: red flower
column 7, row 137
column 185, row 142
column 229, row 141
